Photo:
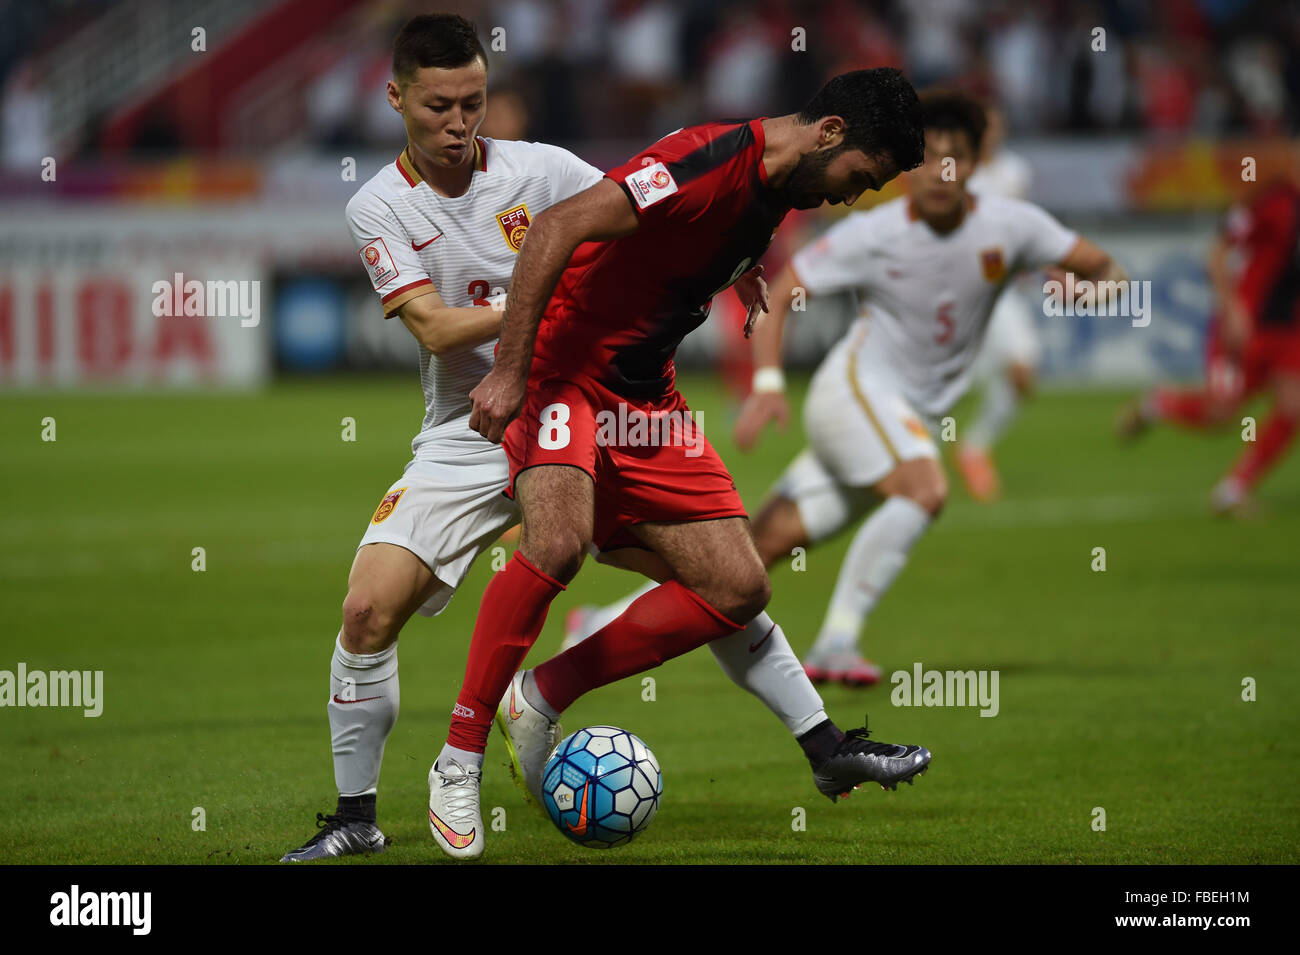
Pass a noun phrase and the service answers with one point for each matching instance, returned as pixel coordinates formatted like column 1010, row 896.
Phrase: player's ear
column 830, row 132
column 395, row 96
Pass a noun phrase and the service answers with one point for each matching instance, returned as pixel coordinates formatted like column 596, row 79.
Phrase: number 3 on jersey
column 554, row 431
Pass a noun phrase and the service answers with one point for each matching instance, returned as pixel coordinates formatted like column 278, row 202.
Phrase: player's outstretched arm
column 766, row 401
column 442, row 329
column 600, row 213
column 1091, row 263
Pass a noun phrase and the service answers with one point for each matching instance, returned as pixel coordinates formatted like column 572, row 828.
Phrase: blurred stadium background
column 129, row 155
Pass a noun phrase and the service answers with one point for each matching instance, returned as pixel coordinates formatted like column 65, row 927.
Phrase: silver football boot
column 858, row 760
column 339, row 837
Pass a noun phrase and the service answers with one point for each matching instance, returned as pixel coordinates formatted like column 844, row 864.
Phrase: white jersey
column 925, row 298
column 413, row 241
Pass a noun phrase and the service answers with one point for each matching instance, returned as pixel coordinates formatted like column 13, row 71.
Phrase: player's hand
column 497, row 400
column 752, row 290
column 760, row 408
column 1234, row 326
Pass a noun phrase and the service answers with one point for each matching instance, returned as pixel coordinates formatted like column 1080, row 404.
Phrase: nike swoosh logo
column 514, row 713
column 364, row 699
column 753, row 647
column 581, row 828
column 417, row 248
column 452, row 836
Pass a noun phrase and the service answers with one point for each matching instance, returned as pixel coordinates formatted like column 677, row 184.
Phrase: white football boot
column 531, row 737
column 454, row 817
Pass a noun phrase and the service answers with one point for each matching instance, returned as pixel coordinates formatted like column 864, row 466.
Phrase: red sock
column 1187, row 408
column 665, row 623
column 1272, row 440
column 509, row 619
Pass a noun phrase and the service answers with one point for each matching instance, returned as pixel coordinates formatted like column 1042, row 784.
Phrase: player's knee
column 368, row 626
column 931, row 493
column 746, row 597
column 558, row 554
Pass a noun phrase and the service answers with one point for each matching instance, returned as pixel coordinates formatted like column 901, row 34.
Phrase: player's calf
column 716, row 560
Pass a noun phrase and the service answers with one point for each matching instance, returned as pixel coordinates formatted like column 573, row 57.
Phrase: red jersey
column 622, row 307
column 1267, row 234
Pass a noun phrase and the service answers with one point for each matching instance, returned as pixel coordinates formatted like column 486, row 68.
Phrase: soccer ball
column 601, row 786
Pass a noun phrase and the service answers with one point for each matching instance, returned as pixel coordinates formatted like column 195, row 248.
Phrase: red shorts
column 649, row 460
column 1270, row 349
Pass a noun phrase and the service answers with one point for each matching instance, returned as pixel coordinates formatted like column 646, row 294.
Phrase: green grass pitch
column 1120, row 690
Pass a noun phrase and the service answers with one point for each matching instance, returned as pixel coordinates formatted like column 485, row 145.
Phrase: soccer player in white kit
column 1007, row 365
column 927, row 270
column 438, row 231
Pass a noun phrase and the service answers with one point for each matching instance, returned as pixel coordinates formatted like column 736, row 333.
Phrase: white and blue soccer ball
column 601, row 786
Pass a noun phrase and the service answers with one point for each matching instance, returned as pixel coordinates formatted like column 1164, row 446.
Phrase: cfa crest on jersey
column 514, row 225
column 995, row 268
column 379, row 264
column 650, row 184
column 386, row 505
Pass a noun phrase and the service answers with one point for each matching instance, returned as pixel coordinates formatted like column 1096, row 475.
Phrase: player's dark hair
column 880, row 110
column 435, row 39
column 953, row 110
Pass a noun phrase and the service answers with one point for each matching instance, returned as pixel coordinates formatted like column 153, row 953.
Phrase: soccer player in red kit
column 1254, row 342
column 633, row 263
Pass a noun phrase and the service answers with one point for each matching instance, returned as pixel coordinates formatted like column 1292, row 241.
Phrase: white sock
column 363, row 704
column 535, row 698
column 759, row 659
column 466, row 758
column 878, row 552
column 600, row 617
column 999, row 408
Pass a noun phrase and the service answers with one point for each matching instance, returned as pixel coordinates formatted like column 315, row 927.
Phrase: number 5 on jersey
column 554, row 431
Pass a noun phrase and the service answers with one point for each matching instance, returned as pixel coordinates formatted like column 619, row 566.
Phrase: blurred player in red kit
column 1254, row 342
column 633, row 263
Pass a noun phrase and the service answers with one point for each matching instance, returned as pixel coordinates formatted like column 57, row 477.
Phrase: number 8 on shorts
column 554, row 431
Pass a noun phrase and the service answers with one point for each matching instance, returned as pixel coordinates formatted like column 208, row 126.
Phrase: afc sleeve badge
column 379, row 264
column 514, row 225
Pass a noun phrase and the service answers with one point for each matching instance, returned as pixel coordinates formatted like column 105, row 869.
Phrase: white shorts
column 446, row 513
column 858, row 431
column 1012, row 336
